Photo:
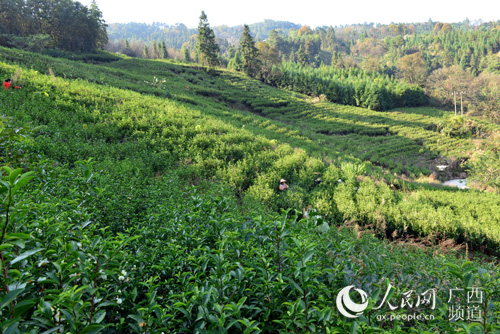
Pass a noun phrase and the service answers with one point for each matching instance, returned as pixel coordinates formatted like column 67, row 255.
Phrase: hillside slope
column 146, row 212
column 249, row 135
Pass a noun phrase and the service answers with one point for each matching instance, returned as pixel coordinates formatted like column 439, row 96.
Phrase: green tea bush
column 113, row 244
column 115, row 113
column 459, row 126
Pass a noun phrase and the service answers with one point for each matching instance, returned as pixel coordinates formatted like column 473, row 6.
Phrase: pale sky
column 306, row 12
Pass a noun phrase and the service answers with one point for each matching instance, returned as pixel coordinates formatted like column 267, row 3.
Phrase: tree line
column 63, row 24
column 434, row 56
column 394, row 66
column 177, row 34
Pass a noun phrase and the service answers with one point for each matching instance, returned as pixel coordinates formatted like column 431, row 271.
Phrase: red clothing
column 8, row 84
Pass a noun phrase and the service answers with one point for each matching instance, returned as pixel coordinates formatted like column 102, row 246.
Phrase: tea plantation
column 142, row 197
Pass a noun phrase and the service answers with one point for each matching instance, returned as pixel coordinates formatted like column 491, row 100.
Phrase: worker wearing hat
column 283, row 185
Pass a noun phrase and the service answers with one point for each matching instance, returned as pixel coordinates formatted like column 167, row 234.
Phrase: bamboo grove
column 350, row 86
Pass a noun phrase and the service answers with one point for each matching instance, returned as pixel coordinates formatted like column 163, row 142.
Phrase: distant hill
column 176, row 35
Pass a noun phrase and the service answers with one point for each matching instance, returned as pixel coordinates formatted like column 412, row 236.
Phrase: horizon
column 375, row 24
column 331, row 14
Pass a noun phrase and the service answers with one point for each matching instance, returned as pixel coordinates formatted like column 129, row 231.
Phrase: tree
column 396, row 29
column 312, row 47
column 269, row 57
column 372, row 64
column 486, row 96
column 302, row 57
column 443, row 82
column 446, row 28
column 330, row 40
column 70, row 25
column 186, row 54
column 276, row 41
column 484, row 168
column 413, row 68
column 235, row 63
column 304, row 30
column 127, row 49
column 98, row 36
column 249, row 52
column 163, row 50
column 437, row 28
column 337, row 61
column 154, row 50
column 206, row 47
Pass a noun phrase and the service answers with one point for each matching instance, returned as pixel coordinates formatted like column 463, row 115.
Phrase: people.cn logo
column 347, row 307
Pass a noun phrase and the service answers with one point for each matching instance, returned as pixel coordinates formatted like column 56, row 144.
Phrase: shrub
column 484, row 168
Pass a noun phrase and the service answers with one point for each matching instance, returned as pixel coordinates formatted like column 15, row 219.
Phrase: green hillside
column 154, row 207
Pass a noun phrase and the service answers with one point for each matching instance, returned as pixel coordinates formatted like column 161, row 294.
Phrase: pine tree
column 235, row 63
column 99, row 36
column 330, row 39
column 163, row 50
column 249, row 52
column 206, row 47
column 187, row 55
column 127, row 49
column 337, row 60
column 154, row 50
column 302, row 57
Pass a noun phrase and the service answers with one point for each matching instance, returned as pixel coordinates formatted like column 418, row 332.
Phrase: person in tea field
column 7, row 84
column 283, row 185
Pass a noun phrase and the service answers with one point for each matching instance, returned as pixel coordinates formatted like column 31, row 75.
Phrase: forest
column 43, row 25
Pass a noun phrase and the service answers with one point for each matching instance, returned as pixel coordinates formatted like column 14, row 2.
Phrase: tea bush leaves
column 132, row 211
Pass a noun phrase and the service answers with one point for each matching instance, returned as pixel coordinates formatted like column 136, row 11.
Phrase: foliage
column 35, row 43
column 206, row 47
column 484, row 168
column 142, row 211
column 211, row 139
column 269, row 57
column 14, row 143
column 414, row 69
column 351, row 87
column 70, row 25
column 187, row 56
column 459, row 126
column 444, row 82
column 487, row 97
column 409, row 51
column 178, row 34
column 249, row 53
column 235, row 63
column 475, row 95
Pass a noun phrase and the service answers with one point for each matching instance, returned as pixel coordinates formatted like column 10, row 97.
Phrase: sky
column 306, row 12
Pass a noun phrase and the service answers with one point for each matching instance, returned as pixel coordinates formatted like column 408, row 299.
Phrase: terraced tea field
column 152, row 205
